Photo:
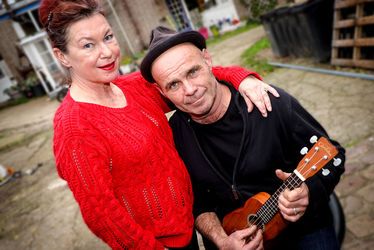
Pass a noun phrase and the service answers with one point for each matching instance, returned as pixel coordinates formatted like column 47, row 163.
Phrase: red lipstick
column 108, row 67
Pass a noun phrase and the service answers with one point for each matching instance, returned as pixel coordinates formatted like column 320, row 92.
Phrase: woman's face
column 93, row 53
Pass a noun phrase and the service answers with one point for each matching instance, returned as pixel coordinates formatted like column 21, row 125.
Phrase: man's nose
column 189, row 88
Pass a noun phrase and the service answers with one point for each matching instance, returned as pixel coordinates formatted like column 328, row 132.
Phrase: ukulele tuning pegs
column 313, row 139
column 337, row 162
column 325, row 172
column 304, row 150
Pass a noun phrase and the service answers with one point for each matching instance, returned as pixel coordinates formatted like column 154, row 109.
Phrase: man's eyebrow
column 195, row 67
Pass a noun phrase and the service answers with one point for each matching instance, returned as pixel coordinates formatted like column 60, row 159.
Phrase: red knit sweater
column 121, row 165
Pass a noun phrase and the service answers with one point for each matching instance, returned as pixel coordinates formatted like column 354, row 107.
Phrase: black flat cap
column 162, row 39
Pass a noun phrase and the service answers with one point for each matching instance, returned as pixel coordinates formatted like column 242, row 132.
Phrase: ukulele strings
column 271, row 204
column 270, row 208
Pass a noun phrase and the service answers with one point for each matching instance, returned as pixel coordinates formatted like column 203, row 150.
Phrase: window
column 179, row 14
column 46, row 56
column 29, row 22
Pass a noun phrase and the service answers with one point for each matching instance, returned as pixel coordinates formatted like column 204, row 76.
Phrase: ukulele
column 262, row 209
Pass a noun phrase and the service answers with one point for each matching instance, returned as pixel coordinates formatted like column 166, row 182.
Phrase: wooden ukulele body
column 238, row 219
column 262, row 209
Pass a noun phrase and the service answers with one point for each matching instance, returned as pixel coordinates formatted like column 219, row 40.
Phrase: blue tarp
column 19, row 11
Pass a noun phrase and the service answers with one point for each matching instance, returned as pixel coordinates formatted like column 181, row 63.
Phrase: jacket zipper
column 234, row 192
column 231, row 185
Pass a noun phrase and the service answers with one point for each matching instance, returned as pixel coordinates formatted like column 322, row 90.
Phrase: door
column 5, row 81
column 39, row 53
column 49, row 64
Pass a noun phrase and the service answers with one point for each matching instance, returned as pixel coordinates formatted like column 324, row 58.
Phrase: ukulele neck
column 270, row 207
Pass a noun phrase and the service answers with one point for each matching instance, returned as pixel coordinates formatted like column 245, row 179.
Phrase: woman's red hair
column 57, row 15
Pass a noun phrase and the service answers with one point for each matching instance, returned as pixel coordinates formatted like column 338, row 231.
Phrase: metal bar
column 324, row 71
column 121, row 27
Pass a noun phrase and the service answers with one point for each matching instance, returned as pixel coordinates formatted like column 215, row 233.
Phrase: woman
column 112, row 142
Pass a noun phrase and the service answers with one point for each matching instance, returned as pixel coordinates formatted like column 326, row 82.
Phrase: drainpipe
column 188, row 14
column 134, row 22
column 324, row 71
column 121, row 27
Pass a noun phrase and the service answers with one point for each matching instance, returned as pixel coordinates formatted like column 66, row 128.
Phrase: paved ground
column 37, row 211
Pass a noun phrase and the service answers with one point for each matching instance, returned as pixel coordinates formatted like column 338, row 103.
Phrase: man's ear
column 61, row 57
column 207, row 57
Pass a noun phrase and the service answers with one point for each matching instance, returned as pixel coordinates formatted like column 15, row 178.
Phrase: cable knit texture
column 122, row 167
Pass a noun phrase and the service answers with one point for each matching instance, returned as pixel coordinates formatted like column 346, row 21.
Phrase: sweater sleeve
column 304, row 126
column 84, row 163
column 151, row 91
column 233, row 74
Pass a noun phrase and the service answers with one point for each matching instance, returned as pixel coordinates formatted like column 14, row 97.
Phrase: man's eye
column 108, row 37
column 88, row 45
column 194, row 72
column 173, row 86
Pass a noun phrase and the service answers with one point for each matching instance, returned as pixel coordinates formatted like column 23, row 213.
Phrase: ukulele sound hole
column 253, row 219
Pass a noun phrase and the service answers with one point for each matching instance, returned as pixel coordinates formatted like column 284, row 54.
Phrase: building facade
column 24, row 46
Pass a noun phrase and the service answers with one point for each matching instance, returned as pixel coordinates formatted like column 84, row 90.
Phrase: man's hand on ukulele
column 238, row 240
column 292, row 204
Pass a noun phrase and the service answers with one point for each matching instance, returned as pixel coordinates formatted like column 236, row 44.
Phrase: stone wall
column 242, row 10
column 137, row 21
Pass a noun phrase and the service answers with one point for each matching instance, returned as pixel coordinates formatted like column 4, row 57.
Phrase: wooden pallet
column 353, row 39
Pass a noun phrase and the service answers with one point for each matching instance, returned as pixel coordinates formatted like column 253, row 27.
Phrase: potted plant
column 25, row 88
column 126, row 65
column 13, row 92
column 32, row 86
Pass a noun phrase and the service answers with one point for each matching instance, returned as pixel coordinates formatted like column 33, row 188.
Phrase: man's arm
column 209, row 225
column 320, row 186
column 249, row 84
column 315, row 191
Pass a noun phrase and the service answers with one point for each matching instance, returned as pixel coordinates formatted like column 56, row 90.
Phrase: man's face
column 183, row 74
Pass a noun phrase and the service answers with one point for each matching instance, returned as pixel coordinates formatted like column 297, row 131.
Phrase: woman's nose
column 106, row 51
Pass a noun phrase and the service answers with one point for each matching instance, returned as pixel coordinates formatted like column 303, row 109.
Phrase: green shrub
column 260, row 7
column 229, row 34
column 259, row 65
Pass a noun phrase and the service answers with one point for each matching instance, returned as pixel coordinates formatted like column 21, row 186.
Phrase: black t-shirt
column 220, row 140
column 268, row 143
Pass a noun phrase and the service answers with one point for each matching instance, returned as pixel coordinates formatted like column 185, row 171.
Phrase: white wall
column 223, row 9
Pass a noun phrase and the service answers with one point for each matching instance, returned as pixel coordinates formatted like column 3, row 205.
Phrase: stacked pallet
column 353, row 33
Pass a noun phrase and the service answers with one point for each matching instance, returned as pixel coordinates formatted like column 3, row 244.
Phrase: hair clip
column 49, row 16
column 49, row 19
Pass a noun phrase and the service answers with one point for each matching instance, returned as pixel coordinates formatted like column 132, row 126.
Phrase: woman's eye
column 88, row 46
column 108, row 37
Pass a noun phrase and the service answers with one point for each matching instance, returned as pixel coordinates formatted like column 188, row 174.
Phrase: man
column 231, row 154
